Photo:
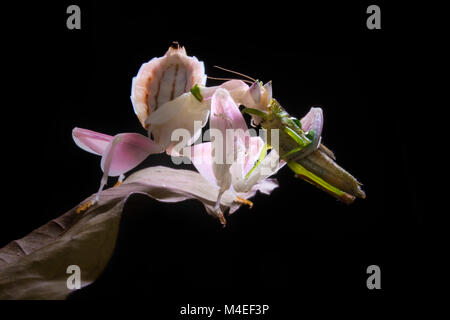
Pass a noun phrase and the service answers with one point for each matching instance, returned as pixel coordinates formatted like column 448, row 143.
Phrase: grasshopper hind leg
column 301, row 172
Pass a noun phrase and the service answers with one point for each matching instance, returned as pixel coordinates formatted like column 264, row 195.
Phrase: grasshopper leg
column 310, row 177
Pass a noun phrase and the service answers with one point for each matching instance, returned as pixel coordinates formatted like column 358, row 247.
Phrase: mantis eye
column 255, row 92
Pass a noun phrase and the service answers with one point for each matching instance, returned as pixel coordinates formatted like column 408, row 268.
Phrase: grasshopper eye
column 297, row 122
column 310, row 135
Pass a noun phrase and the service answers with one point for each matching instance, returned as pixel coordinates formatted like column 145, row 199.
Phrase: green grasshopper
column 305, row 155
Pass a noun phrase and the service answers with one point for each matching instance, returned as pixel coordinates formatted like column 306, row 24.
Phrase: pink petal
column 126, row 151
column 202, row 160
column 91, row 141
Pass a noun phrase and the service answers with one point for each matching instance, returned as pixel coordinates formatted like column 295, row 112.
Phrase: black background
column 294, row 247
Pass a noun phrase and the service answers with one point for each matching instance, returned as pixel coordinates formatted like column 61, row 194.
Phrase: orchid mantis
column 163, row 102
column 157, row 84
column 150, row 90
column 169, row 93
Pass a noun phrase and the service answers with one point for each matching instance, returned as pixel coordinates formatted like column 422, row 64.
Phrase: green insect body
column 315, row 166
column 291, row 136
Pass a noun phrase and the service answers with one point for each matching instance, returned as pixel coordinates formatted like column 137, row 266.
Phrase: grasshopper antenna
column 235, row 72
column 226, row 79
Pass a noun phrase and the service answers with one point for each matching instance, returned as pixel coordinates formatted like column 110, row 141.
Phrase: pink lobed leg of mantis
column 120, row 153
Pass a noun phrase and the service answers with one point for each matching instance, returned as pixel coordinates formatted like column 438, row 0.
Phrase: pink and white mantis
column 163, row 102
column 169, row 93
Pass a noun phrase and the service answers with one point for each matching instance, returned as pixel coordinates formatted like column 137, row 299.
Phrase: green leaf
column 195, row 90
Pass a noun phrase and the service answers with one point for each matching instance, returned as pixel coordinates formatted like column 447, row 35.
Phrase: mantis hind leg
column 90, row 203
column 114, row 163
